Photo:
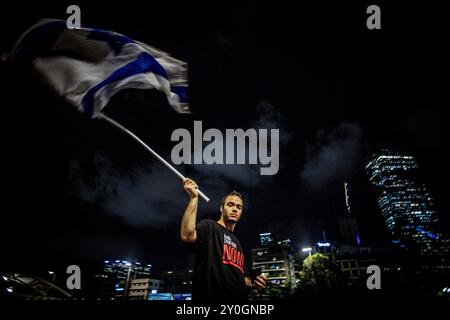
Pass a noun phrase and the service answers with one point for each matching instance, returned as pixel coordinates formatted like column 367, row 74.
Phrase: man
column 219, row 272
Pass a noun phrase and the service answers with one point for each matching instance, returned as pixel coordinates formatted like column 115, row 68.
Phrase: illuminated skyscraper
column 405, row 203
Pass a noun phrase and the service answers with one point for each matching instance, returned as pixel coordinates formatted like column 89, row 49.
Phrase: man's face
column 232, row 209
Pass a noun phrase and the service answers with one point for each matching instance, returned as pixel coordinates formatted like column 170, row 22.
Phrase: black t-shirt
column 219, row 264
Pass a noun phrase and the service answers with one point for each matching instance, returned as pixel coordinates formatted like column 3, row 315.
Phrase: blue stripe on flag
column 181, row 91
column 115, row 41
column 144, row 63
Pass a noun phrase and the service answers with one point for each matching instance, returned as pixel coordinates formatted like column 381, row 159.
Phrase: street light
column 309, row 249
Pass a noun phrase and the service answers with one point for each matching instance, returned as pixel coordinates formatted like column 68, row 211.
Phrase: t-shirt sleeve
column 203, row 229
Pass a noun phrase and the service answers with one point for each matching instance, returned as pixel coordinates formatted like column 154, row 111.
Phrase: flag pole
column 168, row 165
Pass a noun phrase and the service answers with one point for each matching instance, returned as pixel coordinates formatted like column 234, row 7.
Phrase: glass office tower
column 405, row 203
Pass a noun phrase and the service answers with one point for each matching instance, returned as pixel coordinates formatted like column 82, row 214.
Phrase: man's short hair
column 232, row 193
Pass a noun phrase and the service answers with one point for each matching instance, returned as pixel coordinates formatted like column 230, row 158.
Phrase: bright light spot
column 306, row 249
column 5, row 278
column 51, row 272
column 106, row 261
column 154, row 291
column 10, row 290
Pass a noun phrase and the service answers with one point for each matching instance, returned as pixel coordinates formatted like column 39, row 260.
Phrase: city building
column 15, row 286
column 265, row 238
column 276, row 261
column 347, row 224
column 117, row 277
column 405, row 203
column 156, row 284
column 122, row 269
column 178, row 280
column 139, row 289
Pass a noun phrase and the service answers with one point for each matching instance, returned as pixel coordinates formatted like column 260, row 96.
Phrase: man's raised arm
column 188, row 223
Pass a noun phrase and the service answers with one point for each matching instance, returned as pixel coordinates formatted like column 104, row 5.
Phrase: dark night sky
column 79, row 189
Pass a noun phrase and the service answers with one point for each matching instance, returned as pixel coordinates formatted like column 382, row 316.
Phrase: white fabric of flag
column 88, row 66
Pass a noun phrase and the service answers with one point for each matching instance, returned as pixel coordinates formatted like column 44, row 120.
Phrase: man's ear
column 221, row 209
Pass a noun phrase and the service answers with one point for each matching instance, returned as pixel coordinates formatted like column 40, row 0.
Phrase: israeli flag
column 88, row 66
